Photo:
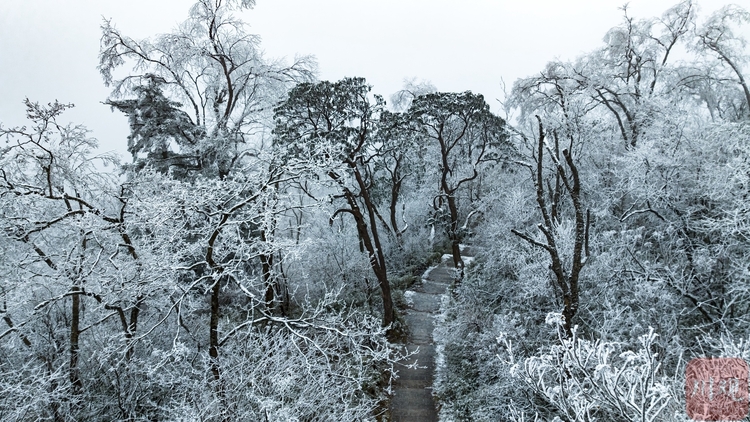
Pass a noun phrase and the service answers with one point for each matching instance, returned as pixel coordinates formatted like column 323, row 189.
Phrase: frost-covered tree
column 467, row 136
column 657, row 145
column 566, row 265
column 719, row 36
column 139, row 299
column 59, row 218
column 214, row 68
column 334, row 124
column 156, row 123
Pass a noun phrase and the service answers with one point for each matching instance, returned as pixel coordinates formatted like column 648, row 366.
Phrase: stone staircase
column 412, row 400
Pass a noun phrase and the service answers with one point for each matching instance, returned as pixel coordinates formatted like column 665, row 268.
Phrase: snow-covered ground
column 427, row 272
column 467, row 259
column 409, row 297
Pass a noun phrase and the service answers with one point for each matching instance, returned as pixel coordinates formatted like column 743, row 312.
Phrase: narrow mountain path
column 412, row 398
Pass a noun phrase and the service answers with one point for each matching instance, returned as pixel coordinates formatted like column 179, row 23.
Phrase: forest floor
column 412, row 397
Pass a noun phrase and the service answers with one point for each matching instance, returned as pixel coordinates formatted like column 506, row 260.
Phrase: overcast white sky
column 48, row 48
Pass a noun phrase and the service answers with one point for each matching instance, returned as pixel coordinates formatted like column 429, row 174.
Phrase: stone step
column 420, row 327
column 431, row 287
column 413, row 405
column 424, row 302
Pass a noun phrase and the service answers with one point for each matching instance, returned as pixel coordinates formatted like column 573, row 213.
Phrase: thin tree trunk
column 266, row 263
column 213, row 341
column 454, row 235
column 377, row 261
column 377, row 255
column 741, row 78
column 75, row 331
column 132, row 327
column 369, row 238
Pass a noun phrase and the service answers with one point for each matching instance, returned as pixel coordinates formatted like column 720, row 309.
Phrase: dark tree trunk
column 213, row 336
column 266, row 263
column 567, row 283
column 213, row 326
column 377, row 259
column 132, row 327
column 454, row 235
column 75, row 332
column 368, row 235
column 396, row 182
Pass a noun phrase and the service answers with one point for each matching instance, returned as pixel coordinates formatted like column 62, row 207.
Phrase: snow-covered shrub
column 583, row 380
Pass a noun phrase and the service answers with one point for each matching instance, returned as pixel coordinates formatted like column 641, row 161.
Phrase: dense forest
column 249, row 262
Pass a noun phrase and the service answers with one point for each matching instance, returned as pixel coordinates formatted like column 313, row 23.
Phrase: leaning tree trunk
column 368, row 235
column 376, row 257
